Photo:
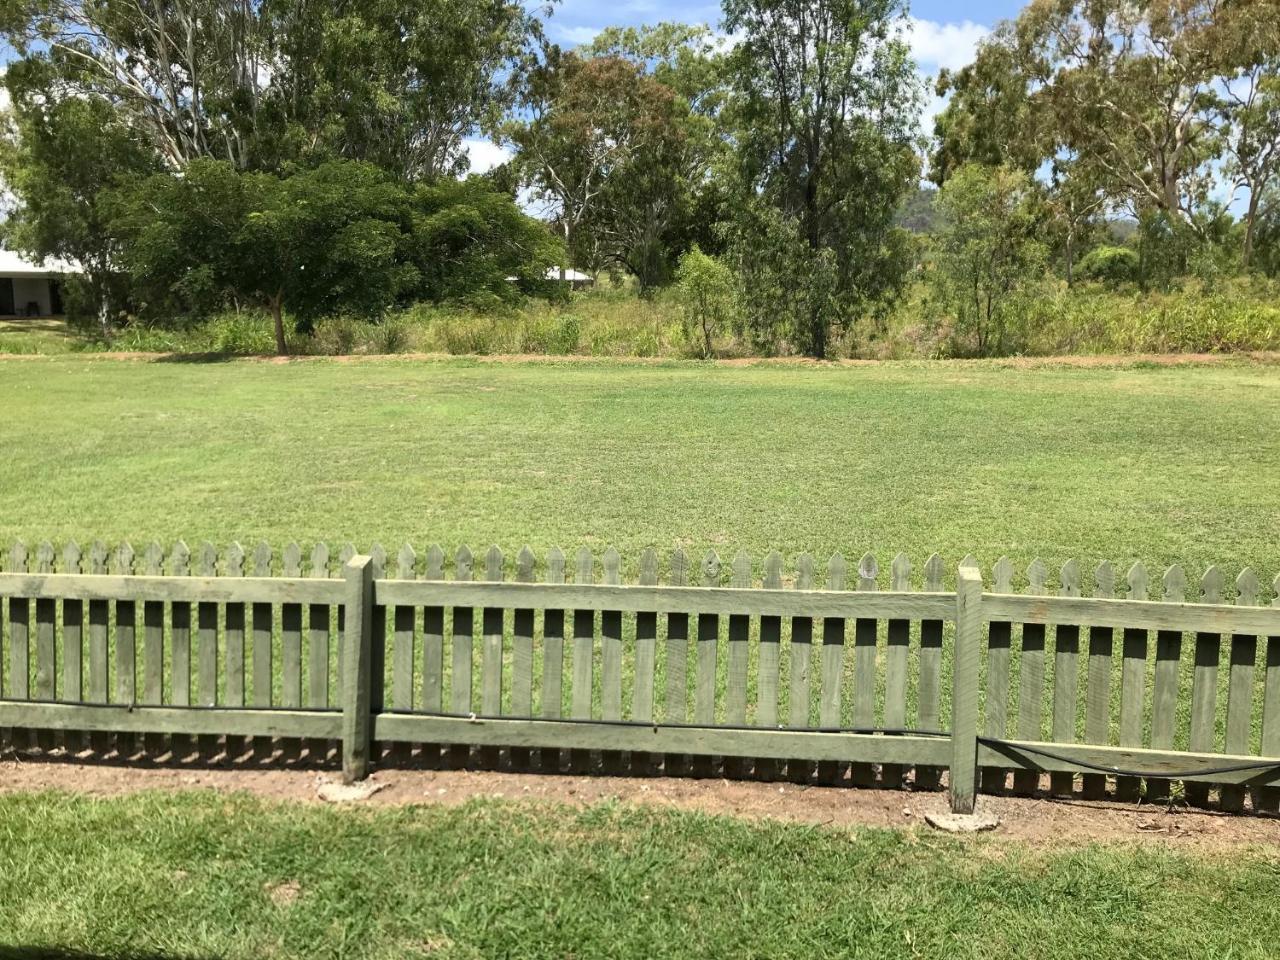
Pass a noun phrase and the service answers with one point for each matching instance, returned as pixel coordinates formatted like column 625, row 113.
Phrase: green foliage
column 1110, row 265
column 823, row 156
column 707, row 293
column 986, row 256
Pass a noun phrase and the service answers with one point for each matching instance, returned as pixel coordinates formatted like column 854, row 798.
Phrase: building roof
column 575, row 276
column 14, row 265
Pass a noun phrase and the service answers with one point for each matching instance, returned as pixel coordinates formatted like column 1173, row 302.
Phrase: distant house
column 29, row 289
column 575, row 278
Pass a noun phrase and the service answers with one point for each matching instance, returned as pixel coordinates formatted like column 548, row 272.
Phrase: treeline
column 303, row 157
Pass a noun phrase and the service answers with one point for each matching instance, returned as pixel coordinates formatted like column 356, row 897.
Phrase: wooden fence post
column 357, row 668
column 964, row 691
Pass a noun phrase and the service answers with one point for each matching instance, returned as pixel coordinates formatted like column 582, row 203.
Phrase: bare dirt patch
column 1038, row 821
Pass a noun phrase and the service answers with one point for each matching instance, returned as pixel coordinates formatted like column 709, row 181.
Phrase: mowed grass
column 1160, row 464
column 203, row 875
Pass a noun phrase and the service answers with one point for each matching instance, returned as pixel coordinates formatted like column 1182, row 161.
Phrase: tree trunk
column 1250, row 218
column 277, row 318
column 1071, row 249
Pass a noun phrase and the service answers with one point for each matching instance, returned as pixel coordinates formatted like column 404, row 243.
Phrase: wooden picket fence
column 577, row 669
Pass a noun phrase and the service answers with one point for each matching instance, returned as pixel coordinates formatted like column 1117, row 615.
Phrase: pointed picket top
column 1138, row 581
column 969, row 560
column 435, row 563
column 741, row 571
column 1002, row 573
column 1104, row 580
column 584, row 566
column 98, row 557
column 837, row 572
column 1037, row 574
column 462, row 563
column 555, row 565
column 868, row 571
column 124, row 558
column 494, row 563
column 1211, row 585
column 44, row 557
column 1275, row 591
column 900, row 573
column 679, row 567
column 1069, row 578
column 1175, row 584
column 208, row 563
column 71, row 557
column 378, row 560
column 933, row 568
column 345, row 553
column 648, row 567
column 1247, row 588
column 773, row 571
column 180, row 559
column 262, row 559
column 804, row 571
column 234, row 557
column 18, row 557
column 153, row 560
column 525, row 562
column 612, row 564
column 291, row 560
column 711, row 569
column 406, row 562
column 320, row 560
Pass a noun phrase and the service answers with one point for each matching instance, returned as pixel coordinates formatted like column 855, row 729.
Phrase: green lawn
column 203, row 875
column 1159, row 464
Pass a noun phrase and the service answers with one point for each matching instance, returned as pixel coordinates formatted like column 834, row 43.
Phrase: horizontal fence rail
column 555, row 663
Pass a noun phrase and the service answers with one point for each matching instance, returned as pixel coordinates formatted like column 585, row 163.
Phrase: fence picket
column 584, row 641
column 1031, row 679
column 153, row 646
column 402, row 652
column 433, row 638
column 832, row 678
column 928, row 689
column 1204, row 684
column 1164, row 694
column 1133, row 684
column 1097, row 698
column 798, row 709
column 611, row 658
column 126, row 650
column 46, row 678
column 707, row 651
column 646, row 645
column 553, row 658
column 1244, row 653
column 999, row 651
column 677, row 693
column 180, row 642
column 99, row 645
column 897, row 649
column 234, row 647
column 291, row 649
column 319, row 624
column 1268, row 798
column 865, row 643
column 1066, row 676
column 207, row 649
column 460, row 645
column 345, row 553
column 522, row 655
column 263, row 629
column 767, row 665
column 735, row 703
column 72, row 643
column 491, row 656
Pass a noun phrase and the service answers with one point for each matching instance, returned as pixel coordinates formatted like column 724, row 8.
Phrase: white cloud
column 576, row 35
column 943, row 45
column 484, row 155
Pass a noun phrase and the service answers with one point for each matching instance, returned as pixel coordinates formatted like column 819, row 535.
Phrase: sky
column 941, row 33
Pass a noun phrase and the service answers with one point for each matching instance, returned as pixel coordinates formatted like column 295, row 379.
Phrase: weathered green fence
column 187, row 657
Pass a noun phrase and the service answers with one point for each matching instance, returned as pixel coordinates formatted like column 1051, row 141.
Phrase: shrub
column 705, row 288
column 245, row 332
column 1110, row 265
column 337, row 336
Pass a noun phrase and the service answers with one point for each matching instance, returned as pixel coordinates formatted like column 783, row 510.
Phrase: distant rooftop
column 15, row 265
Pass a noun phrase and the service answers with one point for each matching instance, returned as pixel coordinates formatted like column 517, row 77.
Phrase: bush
column 706, row 290
column 246, row 332
column 1110, row 265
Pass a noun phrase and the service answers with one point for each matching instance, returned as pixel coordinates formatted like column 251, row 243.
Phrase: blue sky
column 942, row 34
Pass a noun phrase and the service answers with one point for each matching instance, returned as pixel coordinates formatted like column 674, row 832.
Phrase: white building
column 30, row 289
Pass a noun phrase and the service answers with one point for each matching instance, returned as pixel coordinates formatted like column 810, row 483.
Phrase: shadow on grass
column 208, row 357
column 62, row 953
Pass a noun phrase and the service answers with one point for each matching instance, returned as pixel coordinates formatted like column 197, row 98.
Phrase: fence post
column 357, row 673
column 964, row 691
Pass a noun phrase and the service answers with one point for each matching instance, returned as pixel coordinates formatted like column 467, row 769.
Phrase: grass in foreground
column 205, row 875
column 1163, row 465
